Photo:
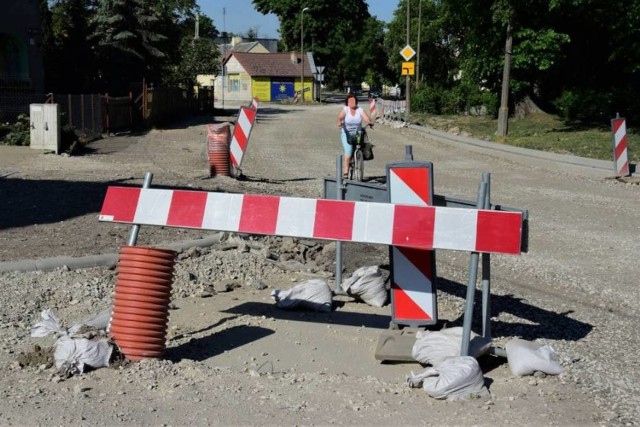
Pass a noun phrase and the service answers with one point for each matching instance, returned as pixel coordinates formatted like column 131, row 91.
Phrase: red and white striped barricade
column 619, row 140
column 254, row 104
column 241, row 133
column 423, row 227
column 413, row 270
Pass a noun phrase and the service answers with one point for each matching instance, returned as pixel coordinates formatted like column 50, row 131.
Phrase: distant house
column 267, row 76
column 237, row 45
column 21, row 64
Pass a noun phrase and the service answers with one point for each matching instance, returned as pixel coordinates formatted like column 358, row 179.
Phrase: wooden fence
column 95, row 114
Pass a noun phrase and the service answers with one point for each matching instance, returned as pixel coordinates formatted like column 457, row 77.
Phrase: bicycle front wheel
column 358, row 161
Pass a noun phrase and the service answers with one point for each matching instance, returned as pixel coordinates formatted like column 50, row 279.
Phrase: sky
column 240, row 15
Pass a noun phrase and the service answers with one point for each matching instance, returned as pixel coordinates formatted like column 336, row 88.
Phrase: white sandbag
column 526, row 357
column 50, row 325
column 314, row 294
column 72, row 354
column 74, row 351
column 455, row 378
column 434, row 347
column 99, row 321
column 367, row 284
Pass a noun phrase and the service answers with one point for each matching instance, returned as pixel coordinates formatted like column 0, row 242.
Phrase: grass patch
column 539, row 132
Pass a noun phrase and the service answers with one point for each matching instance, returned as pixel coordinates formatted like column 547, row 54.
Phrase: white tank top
column 353, row 123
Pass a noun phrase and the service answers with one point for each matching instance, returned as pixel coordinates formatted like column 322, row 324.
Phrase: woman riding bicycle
column 350, row 121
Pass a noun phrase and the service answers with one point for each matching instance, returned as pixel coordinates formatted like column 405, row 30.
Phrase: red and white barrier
column 254, row 103
column 241, row 132
column 620, row 156
column 423, row 227
column 372, row 107
column 413, row 271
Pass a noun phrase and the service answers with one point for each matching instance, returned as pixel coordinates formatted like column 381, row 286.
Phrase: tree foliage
column 578, row 57
column 68, row 52
column 342, row 35
column 128, row 40
column 106, row 45
column 567, row 54
column 199, row 56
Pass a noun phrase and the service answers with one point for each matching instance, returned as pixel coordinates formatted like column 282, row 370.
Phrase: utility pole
column 503, row 113
column 302, row 52
column 407, row 97
column 418, row 79
column 197, row 36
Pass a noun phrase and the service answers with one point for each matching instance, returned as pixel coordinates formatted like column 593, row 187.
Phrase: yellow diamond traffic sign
column 407, row 52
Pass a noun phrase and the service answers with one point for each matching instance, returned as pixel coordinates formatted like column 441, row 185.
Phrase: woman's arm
column 341, row 115
column 365, row 118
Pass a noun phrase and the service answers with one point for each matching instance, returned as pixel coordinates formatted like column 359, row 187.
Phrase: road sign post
column 407, row 53
column 319, row 79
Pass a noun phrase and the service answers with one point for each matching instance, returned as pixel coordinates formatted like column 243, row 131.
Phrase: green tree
column 597, row 75
column 463, row 41
column 252, row 34
column 131, row 43
column 200, row 56
column 438, row 59
column 69, row 58
column 340, row 34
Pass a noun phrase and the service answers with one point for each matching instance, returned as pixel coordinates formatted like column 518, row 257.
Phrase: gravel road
column 233, row 358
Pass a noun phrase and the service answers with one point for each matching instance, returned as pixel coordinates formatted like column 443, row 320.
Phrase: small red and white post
column 619, row 141
column 241, row 133
column 372, row 108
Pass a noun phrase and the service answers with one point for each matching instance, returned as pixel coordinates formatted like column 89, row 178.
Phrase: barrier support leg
column 486, row 270
column 340, row 196
column 471, row 283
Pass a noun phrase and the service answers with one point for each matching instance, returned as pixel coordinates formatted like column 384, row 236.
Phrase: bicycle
column 356, row 164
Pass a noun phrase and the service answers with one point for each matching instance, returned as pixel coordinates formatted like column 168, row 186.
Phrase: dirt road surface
column 233, row 358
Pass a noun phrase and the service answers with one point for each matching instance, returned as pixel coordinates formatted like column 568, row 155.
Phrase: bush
column 461, row 99
column 72, row 140
column 427, row 100
column 18, row 133
column 5, row 128
column 581, row 105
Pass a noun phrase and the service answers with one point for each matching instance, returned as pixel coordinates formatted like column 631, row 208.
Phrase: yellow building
column 266, row 76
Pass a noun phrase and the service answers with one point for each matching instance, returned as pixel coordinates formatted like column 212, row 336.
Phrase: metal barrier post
column 133, row 234
column 339, row 196
column 471, row 283
column 408, row 153
column 486, row 270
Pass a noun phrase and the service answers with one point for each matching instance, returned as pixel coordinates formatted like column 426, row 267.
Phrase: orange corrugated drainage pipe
column 141, row 301
column 218, row 139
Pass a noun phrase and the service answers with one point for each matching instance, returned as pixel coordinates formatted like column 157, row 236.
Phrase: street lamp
column 302, row 52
